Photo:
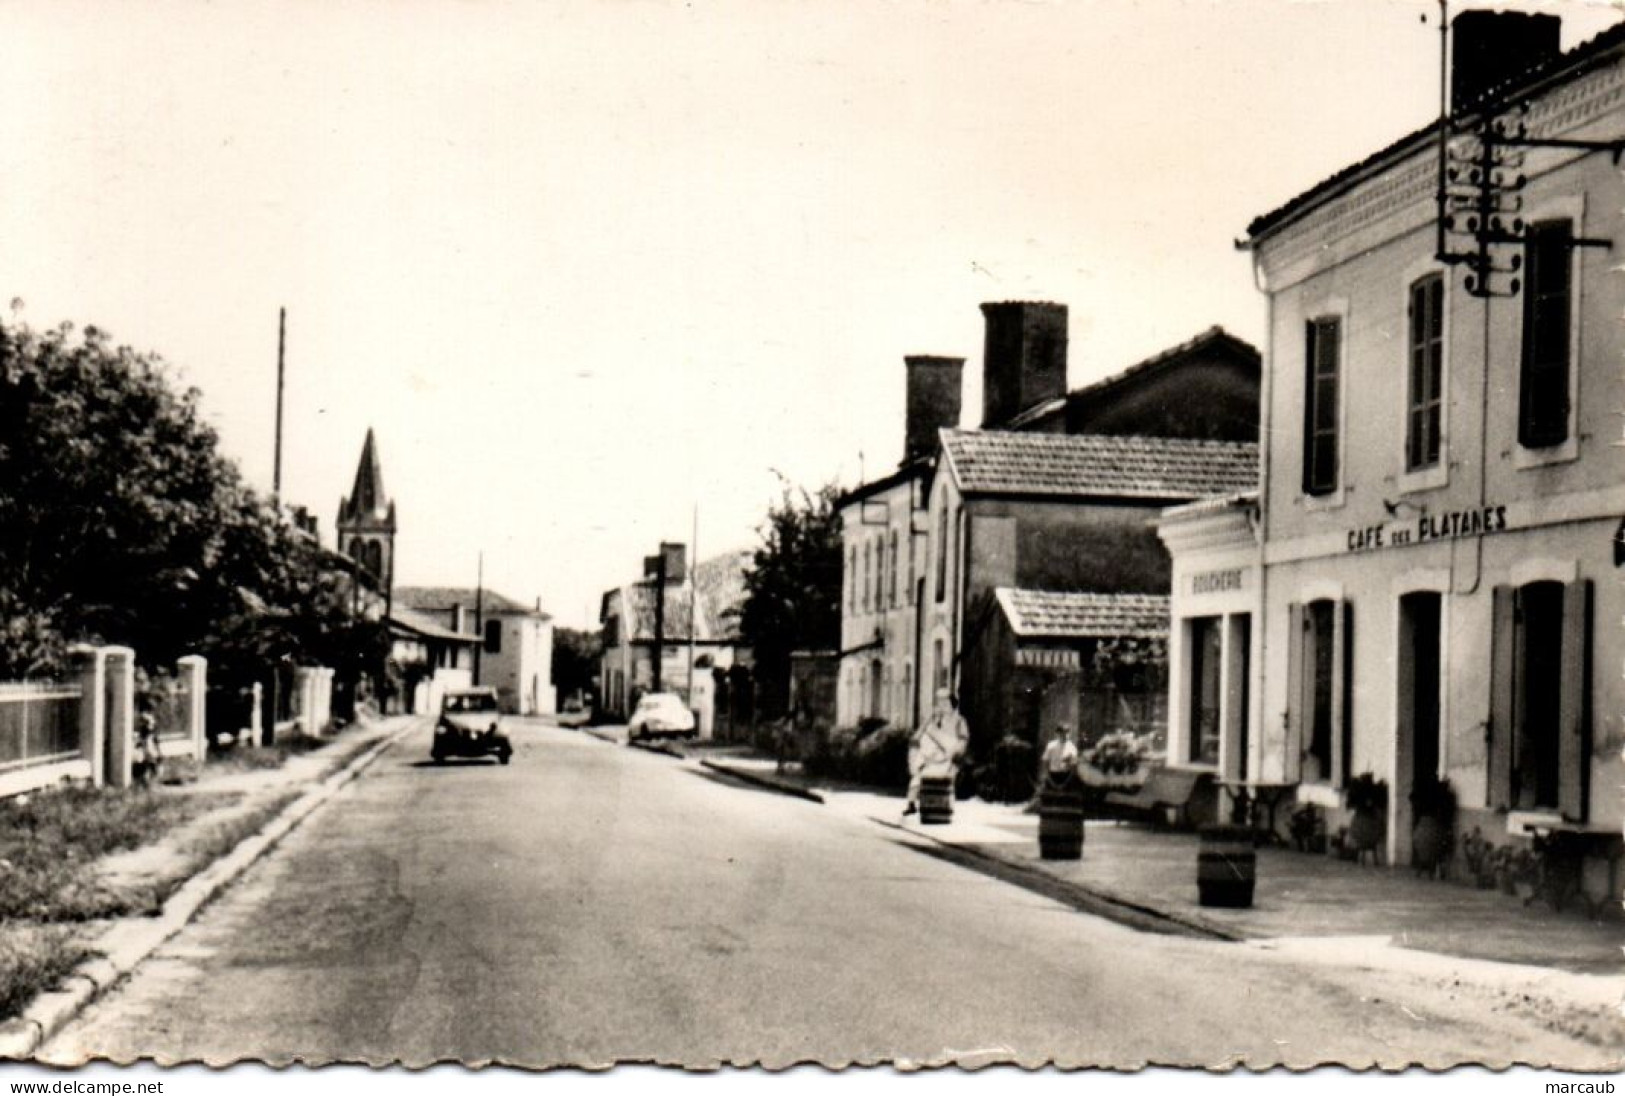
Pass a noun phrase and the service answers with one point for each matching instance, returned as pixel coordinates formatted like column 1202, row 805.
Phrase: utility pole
column 281, row 345
column 479, row 616
column 693, row 594
column 660, row 614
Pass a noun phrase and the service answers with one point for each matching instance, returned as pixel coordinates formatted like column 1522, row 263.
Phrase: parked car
column 470, row 725
column 660, row 715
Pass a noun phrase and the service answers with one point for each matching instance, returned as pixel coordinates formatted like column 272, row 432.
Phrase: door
column 1420, row 669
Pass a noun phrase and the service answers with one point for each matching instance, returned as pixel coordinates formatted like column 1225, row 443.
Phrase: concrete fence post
column 256, row 715
column 118, row 666
column 193, row 671
column 92, row 711
column 303, row 697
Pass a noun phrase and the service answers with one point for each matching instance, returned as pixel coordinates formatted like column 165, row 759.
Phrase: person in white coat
column 937, row 747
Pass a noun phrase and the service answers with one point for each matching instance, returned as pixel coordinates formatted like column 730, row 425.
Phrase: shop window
column 1321, row 405
column 1319, row 695
column 1425, row 406
column 939, row 665
column 493, row 637
column 1543, row 401
column 1539, row 718
column 1206, row 654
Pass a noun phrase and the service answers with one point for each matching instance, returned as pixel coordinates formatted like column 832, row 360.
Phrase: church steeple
column 366, row 521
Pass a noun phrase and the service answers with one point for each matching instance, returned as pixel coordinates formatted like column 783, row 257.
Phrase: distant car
column 470, row 725
column 659, row 715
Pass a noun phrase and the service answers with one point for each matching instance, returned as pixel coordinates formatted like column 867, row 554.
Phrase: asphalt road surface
column 591, row 904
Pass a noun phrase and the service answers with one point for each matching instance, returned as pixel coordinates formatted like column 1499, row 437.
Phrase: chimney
column 676, row 561
column 934, row 391
column 1023, row 358
column 1489, row 48
column 459, row 615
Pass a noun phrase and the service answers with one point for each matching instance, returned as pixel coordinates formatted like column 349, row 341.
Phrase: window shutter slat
column 1573, row 743
column 1292, row 755
column 1342, row 691
column 1502, row 732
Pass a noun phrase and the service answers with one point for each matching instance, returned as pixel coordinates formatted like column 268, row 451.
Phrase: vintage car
column 470, row 725
column 659, row 715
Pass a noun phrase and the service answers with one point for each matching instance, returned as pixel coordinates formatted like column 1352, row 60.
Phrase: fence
column 39, row 724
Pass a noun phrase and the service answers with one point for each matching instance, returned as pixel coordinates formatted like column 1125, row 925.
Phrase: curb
column 783, row 787
column 130, row 941
column 1112, row 907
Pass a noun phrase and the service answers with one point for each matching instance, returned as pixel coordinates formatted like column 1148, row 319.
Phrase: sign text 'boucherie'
column 1452, row 525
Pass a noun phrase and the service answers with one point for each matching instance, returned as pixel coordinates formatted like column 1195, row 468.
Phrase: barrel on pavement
column 1226, row 867
column 1060, row 823
column 936, row 800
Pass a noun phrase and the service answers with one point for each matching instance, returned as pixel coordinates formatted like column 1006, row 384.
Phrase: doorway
column 1420, row 679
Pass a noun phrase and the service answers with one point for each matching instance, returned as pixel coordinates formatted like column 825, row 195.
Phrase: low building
column 515, row 641
column 1043, row 513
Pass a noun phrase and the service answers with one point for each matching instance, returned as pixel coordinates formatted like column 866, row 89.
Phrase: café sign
column 1451, row 525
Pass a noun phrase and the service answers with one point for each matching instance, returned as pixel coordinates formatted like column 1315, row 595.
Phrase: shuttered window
column 1543, row 401
column 1539, row 734
column 1425, row 405
column 1320, row 406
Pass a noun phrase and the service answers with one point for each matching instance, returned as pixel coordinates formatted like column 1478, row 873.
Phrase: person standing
column 936, row 748
column 1058, row 767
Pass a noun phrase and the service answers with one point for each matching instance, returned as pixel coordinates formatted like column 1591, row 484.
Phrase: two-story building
column 1073, row 469
column 515, row 641
column 1427, row 585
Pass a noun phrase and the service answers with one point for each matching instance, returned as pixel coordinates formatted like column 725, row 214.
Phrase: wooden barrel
column 1060, row 824
column 1226, row 867
column 936, row 800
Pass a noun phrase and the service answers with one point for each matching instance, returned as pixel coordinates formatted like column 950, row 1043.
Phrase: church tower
column 366, row 521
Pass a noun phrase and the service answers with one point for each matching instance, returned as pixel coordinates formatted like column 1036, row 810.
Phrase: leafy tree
column 793, row 588
column 575, row 658
column 121, row 522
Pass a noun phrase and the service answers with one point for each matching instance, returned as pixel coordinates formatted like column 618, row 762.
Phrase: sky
column 586, row 267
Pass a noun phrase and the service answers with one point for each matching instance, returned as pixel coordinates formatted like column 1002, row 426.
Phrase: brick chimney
column 1488, row 48
column 934, row 395
column 1023, row 358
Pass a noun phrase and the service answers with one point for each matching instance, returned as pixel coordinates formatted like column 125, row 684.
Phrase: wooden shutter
column 1292, row 750
column 1574, row 744
column 1342, row 691
column 1503, row 731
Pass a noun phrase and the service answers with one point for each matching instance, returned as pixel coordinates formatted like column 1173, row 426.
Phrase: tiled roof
column 721, row 584
column 1213, row 336
column 442, row 599
column 1048, row 614
column 1002, row 462
column 1563, row 67
column 425, row 625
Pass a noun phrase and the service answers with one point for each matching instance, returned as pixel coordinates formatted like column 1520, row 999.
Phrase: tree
column 575, row 659
column 793, row 589
column 121, row 522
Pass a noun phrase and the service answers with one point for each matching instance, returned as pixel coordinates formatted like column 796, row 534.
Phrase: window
column 1320, row 408
column 1425, row 405
column 1539, row 717
column 1543, row 401
column 852, row 579
column 1206, row 659
column 868, row 570
column 940, row 664
column 942, row 553
column 493, row 637
column 893, row 570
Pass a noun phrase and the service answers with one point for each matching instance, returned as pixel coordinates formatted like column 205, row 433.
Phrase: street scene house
column 1426, row 587
column 698, row 632
column 515, row 641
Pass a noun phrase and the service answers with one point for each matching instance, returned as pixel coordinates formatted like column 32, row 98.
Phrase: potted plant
column 1367, row 797
column 1433, row 814
column 1480, row 856
column 1308, row 828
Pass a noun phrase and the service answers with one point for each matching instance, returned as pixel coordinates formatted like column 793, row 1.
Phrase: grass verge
column 34, row 959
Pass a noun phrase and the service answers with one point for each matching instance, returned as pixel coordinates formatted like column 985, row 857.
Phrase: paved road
column 591, row 903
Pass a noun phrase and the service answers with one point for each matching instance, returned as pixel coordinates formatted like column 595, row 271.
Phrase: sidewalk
column 1298, row 895
column 239, row 809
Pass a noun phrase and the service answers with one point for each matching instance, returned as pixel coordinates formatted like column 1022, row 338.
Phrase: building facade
column 515, row 641
column 1427, row 585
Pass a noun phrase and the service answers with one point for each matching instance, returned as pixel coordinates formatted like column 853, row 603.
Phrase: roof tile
column 1002, row 462
column 1050, row 614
